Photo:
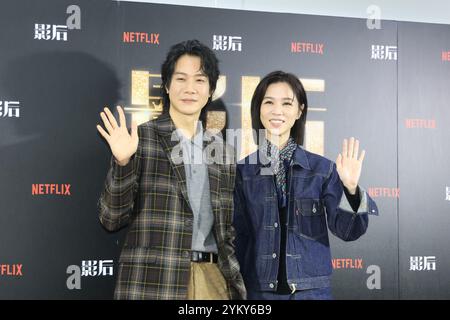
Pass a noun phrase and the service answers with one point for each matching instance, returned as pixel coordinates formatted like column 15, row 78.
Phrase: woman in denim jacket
column 286, row 196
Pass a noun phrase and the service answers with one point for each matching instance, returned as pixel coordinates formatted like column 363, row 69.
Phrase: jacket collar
column 298, row 158
column 165, row 125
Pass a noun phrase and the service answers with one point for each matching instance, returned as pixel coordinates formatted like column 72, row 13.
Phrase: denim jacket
column 315, row 199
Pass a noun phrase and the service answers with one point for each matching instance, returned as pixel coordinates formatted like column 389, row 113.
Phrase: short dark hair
column 298, row 129
column 209, row 66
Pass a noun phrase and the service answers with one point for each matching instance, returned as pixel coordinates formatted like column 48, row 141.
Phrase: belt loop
column 293, row 288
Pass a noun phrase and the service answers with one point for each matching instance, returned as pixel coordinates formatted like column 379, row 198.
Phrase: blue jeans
column 310, row 294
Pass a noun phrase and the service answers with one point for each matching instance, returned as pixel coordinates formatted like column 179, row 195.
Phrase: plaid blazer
column 150, row 195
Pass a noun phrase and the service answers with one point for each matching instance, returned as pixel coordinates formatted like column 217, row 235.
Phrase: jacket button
column 186, row 254
column 275, row 225
column 188, row 222
column 274, row 255
column 271, row 285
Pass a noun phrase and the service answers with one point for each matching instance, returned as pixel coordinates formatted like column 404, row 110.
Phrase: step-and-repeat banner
column 62, row 61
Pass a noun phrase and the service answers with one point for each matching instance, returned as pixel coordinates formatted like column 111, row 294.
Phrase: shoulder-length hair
column 298, row 129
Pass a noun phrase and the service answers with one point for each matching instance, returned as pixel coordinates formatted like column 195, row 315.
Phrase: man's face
column 189, row 88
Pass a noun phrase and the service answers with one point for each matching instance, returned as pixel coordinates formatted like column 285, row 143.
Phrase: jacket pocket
column 138, row 255
column 309, row 218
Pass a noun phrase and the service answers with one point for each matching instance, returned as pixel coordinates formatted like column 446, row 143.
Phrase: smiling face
column 279, row 111
column 189, row 89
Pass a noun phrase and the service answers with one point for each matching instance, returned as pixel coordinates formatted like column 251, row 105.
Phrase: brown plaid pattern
column 150, row 194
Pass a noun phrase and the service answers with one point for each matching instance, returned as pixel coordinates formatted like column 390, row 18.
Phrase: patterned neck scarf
column 277, row 158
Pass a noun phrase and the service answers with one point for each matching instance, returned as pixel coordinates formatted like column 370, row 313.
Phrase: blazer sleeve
column 240, row 221
column 235, row 281
column 119, row 194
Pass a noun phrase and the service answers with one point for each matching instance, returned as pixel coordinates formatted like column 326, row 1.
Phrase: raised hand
column 348, row 164
column 123, row 145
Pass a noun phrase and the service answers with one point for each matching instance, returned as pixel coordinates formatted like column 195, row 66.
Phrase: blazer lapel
column 172, row 149
column 214, row 187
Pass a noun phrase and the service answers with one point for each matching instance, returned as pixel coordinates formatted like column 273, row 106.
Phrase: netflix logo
column 380, row 192
column 345, row 263
column 307, row 47
column 420, row 123
column 50, row 189
column 11, row 270
column 140, row 37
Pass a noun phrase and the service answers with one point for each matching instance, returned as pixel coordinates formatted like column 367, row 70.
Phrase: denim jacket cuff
column 363, row 206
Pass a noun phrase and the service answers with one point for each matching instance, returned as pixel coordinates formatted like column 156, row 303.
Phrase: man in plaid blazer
column 179, row 245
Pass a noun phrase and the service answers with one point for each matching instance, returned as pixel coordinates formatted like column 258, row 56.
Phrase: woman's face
column 279, row 111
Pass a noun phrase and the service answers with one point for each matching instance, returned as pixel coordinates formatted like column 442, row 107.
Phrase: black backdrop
column 388, row 87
